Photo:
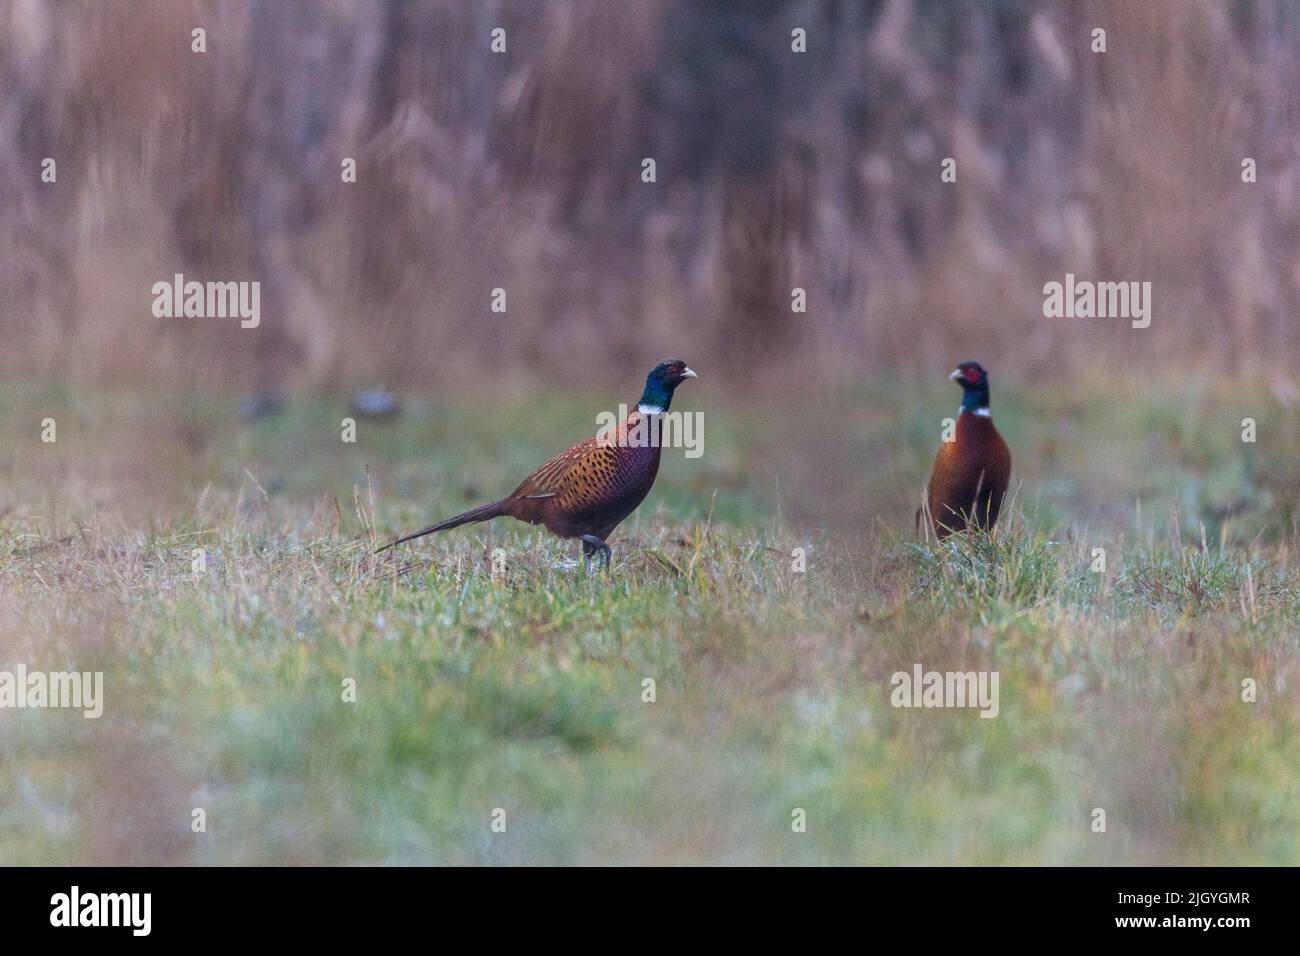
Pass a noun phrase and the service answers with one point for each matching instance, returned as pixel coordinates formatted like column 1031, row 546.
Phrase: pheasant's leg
column 591, row 545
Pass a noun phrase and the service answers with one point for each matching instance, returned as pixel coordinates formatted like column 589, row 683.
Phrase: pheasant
column 972, row 471
column 586, row 491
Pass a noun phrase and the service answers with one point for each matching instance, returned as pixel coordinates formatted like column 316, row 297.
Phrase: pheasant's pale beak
column 956, row 375
column 687, row 373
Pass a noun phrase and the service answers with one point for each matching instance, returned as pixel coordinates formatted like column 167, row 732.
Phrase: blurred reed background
column 522, row 171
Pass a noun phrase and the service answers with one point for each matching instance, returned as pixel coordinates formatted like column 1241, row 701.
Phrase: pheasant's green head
column 660, row 384
column 974, row 382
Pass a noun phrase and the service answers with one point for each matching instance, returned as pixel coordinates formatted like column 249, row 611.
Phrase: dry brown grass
column 521, row 171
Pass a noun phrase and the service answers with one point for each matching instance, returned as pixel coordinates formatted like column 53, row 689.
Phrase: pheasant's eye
column 971, row 374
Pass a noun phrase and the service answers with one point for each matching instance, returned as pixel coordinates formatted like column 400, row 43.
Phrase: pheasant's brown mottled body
column 590, row 488
column 970, row 476
column 971, row 473
column 586, row 491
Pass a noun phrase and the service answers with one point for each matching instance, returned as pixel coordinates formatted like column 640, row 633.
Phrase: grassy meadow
column 522, row 689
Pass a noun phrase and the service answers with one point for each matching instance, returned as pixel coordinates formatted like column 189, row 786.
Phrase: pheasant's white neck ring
column 649, row 409
column 981, row 412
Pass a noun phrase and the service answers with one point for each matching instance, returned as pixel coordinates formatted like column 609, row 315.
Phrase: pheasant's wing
column 557, row 474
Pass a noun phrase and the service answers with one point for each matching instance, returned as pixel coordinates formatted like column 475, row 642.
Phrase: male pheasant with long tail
column 971, row 472
column 586, row 491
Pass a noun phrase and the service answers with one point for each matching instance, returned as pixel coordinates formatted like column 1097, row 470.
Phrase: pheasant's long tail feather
column 483, row 513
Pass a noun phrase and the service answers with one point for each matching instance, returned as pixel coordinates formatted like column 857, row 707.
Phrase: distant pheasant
column 586, row 491
column 972, row 471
